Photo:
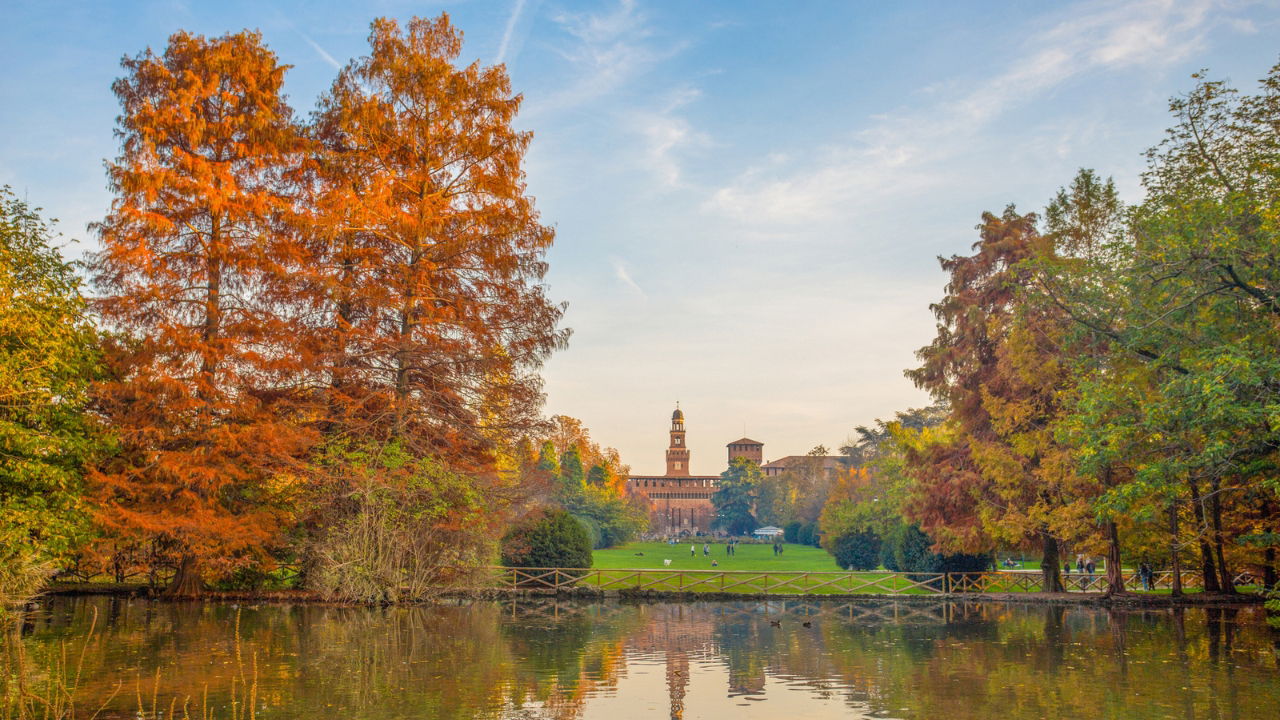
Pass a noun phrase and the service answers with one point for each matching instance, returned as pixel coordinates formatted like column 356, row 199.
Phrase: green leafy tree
column 1185, row 304
column 48, row 356
column 734, row 498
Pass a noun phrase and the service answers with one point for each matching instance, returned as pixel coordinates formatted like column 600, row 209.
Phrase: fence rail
column 821, row 583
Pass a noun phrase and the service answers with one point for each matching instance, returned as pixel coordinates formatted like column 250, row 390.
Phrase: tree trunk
column 1049, row 567
column 188, row 582
column 1206, row 553
column 1115, row 573
column 1173, row 550
column 1215, row 507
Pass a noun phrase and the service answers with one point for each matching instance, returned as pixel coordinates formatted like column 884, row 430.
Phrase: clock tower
column 677, row 451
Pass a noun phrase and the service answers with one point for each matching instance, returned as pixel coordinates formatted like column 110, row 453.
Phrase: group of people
column 730, row 548
column 1147, row 575
column 1083, row 565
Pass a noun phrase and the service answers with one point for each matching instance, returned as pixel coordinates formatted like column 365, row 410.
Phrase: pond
column 614, row 660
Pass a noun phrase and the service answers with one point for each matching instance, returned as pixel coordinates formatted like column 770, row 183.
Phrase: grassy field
column 758, row 558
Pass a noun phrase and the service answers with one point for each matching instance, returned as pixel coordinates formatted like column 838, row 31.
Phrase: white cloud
column 906, row 152
column 607, row 50
column 623, row 274
column 666, row 134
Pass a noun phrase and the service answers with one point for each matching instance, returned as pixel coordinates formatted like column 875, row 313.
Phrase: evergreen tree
column 734, row 498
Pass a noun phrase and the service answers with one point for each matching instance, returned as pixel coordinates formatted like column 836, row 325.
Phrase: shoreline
column 285, row 597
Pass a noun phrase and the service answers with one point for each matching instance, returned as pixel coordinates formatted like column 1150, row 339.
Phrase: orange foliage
column 426, row 308
column 199, row 395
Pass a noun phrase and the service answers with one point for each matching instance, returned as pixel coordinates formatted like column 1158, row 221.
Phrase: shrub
column 808, row 534
column 552, row 539
column 791, row 533
column 888, row 556
column 856, row 550
column 393, row 526
column 907, row 549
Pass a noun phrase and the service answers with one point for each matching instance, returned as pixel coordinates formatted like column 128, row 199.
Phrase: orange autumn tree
column 422, row 305
column 427, row 308
column 995, row 364
column 200, row 391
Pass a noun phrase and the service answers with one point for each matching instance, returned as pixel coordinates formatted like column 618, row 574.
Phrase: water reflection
column 547, row 659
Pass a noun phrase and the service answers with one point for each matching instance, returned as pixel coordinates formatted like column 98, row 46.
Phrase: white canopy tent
column 768, row 531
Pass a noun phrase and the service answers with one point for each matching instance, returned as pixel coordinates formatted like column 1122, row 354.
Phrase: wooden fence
column 818, row 583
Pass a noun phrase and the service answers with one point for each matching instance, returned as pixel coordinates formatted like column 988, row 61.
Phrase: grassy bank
column 758, row 558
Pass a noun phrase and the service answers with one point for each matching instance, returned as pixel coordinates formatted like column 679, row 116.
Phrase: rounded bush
column 856, row 550
column 553, row 539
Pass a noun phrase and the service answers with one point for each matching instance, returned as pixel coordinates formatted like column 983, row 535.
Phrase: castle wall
column 677, row 505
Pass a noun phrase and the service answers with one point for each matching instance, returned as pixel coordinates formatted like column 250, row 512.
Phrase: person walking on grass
column 706, row 549
column 693, row 551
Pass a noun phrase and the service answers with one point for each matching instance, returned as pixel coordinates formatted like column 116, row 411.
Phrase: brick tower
column 677, row 451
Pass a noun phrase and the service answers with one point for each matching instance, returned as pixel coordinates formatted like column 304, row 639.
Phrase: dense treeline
column 1107, row 376
column 310, row 343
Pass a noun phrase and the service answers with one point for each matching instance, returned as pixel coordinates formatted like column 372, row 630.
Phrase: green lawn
column 758, row 558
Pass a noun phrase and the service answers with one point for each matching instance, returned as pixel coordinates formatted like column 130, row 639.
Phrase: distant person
column 706, row 549
column 693, row 551
column 1089, row 568
column 1079, row 564
column 666, row 562
column 1066, row 566
column 715, row 564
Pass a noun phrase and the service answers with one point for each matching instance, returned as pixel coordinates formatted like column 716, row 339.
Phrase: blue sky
column 749, row 196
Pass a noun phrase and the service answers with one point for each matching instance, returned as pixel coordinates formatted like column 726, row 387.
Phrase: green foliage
column 910, row 551
column 791, row 532
column 611, row 520
column 600, row 476
column 1272, row 605
column 48, row 357
column 808, row 534
column 858, row 550
column 801, row 533
column 734, row 498
column 572, row 475
column 547, row 460
column 392, row 526
column 553, row 539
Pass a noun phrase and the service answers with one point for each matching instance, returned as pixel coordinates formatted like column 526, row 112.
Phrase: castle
column 680, row 503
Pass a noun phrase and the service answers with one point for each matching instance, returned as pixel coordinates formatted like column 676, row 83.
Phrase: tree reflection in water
column 556, row 659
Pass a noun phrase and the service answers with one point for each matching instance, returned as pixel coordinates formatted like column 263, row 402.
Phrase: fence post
column 946, row 583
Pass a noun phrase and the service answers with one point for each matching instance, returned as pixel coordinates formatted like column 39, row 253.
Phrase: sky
column 749, row 197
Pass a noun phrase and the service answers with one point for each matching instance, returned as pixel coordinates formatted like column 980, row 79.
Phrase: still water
column 619, row 661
